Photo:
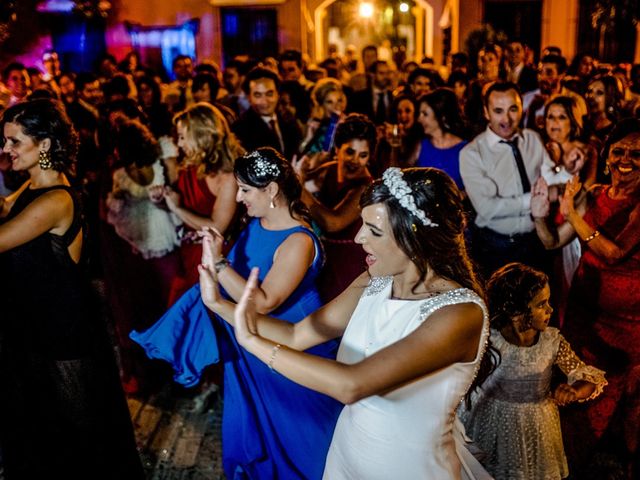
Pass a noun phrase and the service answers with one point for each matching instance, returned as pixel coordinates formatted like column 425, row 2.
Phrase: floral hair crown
column 399, row 188
column 262, row 166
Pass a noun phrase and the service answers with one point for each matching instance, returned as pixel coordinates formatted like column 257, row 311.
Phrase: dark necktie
column 274, row 127
column 182, row 100
column 381, row 110
column 526, row 185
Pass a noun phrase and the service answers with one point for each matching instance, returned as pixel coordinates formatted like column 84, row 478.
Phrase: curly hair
column 356, row 126
column 46, row 118
column 281, row 173
column 215, row 145
column 510, row 290
column 134, row 142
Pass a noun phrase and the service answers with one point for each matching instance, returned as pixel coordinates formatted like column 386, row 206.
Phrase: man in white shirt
column 551, row 71
column 498, row 169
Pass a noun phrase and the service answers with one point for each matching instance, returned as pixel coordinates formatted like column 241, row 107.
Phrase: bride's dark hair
column 265, row 165
column 439, row 248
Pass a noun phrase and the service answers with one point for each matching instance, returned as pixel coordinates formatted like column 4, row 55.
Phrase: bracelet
column 221, row 264
column 272, row 358
column 595, row 234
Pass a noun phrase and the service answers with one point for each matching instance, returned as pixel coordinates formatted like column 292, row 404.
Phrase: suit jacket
column 253, row 132
column 528, row 79
column 362, row 102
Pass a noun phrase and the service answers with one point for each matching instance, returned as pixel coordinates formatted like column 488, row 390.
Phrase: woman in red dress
column 205, row 192
column 602, row 320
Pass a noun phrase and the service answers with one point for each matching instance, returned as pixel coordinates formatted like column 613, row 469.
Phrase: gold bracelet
column 274, row 352
column 595, row 234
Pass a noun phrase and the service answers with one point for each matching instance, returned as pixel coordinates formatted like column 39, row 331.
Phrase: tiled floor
column 176, row 441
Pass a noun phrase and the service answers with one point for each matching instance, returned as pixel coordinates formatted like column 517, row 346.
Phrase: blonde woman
column 329, row 103
column 205, row 191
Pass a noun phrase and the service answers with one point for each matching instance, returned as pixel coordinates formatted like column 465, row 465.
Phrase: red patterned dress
column 602, row 323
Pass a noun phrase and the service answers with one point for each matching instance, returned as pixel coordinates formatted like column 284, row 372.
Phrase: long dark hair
column 444, row 103
column 273, row 168
column 441, row 248
column 46, row 118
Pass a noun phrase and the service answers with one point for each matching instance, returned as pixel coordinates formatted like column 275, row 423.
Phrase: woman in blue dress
column 271, row 427
column 441, row 118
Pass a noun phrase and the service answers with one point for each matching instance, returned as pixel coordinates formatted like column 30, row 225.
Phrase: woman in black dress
column 62, row 410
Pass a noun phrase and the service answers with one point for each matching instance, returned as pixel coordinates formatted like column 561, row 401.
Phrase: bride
column 396, row 371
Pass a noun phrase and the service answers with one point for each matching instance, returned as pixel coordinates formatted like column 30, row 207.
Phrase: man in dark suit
column 523, row 75
column 375, row 101
column 261, row 126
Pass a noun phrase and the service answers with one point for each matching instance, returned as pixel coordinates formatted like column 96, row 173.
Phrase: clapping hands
column 540, row 199
column 211, row 252
column 567, row 201
column 245, row 312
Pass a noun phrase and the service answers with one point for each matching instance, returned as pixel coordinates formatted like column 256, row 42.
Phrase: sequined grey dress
column 410, row 432
column 514, row 419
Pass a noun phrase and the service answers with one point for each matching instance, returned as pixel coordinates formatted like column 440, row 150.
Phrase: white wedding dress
column 411, row 432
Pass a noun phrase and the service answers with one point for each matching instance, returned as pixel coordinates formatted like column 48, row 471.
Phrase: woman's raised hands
column 245, row 312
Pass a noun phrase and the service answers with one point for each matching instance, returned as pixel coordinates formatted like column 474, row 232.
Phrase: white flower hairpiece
column 392, row 178
column 262, row 166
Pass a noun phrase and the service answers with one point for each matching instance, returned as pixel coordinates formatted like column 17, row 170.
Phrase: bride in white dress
column 414, row 330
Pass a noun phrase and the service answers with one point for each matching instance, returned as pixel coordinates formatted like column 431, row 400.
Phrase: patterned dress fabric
column 514, row 419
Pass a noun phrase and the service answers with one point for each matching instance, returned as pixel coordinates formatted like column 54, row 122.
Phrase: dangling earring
column 44, row 160
column 271, row 204
column 606, row 168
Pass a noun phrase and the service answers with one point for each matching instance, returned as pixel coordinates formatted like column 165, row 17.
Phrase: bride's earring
column 271, row 204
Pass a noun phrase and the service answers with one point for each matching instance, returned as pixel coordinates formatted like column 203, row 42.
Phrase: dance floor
column 175, row 441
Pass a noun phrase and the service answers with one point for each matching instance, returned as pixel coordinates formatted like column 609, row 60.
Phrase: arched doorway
column 425, row 19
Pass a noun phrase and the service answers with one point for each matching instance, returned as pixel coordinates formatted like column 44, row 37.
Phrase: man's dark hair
column 178, row 58
column 436, row 80
column 373, row 69
column 291, row 56
column 559, row 61
column 259, row 73
column 500, row 87
column 10, row 68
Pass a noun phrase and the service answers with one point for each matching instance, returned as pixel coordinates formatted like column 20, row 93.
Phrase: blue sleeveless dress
column 272, row 428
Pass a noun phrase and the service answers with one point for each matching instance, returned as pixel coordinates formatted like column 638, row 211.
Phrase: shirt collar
column 267, row 119
column 493, row 139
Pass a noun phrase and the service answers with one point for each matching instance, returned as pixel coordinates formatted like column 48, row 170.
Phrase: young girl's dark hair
column 134, row 142
column 510, row 290
column 265, row 165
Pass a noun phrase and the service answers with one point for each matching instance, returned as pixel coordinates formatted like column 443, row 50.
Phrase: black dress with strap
column 62, row 410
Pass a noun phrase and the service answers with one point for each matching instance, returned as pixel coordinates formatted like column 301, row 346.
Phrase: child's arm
column 584, row 382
